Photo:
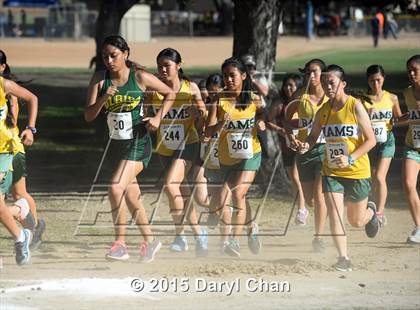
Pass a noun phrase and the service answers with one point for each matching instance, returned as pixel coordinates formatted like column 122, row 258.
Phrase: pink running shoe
column 118, row 251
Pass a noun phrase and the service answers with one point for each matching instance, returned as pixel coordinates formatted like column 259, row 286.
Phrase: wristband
column 350, row 160
column 33, row 129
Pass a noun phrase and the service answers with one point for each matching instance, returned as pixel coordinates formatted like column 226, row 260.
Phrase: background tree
column 255, row 30
column 108, row 23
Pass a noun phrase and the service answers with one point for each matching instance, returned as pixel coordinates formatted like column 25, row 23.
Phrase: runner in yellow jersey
column 345, row 169
column 178, row 146
column 236, row 113
column 305, row 102
column 412, row 145
column 19, row 191
column 22, row 237
column 383, row 110
column 119, row 91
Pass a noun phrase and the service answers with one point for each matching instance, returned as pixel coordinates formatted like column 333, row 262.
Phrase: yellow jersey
column 381, row 118
column 10, row 141
column 238, row 138
column 177, row 128
column 306, row 114
column 412, row 138
column 343, row 135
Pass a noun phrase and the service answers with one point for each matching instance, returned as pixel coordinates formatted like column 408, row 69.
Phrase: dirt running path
column 70, row 272
column 196, row 51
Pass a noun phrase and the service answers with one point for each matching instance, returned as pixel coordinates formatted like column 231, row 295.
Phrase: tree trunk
column 108, row 23
column 255, row 29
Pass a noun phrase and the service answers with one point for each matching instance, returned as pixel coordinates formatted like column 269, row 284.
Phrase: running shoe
column 23, row 254
column 318, row 245
column 414, row 238
column 201, row 244
column 381, row 218
column 372, row 227
column 37, row 238
column 301, row 216
column 180, row 244
column 254, row 243
column 25, row 215
column 118, row 251
column 343, row 264
column 233, row 248
column 149, row 250
column 223, row 246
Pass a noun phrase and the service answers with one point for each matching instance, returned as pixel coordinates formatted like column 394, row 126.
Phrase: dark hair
column 317, row 61
column 375, row 69
column 120, row 43
column 337, row 69
column 3, row 61
column 245, row 96
column 175, row 56
column 8, row 75
column 342, row 75
column 414, row 58
column 296, row 78
column 214, row 79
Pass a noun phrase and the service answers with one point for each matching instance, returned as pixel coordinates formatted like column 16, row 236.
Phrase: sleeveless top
column 177, row 127
column 238, row 138
column 343, row 135
column 125, row 109
column 412, row 138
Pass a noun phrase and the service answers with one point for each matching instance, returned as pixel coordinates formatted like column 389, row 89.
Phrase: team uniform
column 177, row 136
column 209, row 154
column 8, row 140
column 343, row 136
column 309, row 164
column 129, row 137
column 239, row 147
column 382, row 127
column 412, row 138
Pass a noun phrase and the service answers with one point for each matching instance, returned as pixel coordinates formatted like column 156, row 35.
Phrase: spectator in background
column 374, row 24
column 2, row 24
column 391, row 26
column 10, row 22
column 335, row 22
column 381, row 19
column 23, row 21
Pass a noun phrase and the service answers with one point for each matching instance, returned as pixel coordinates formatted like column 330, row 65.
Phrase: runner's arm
column 95, row 103
column 152, row 82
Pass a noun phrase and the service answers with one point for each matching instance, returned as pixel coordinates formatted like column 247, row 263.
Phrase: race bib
column 3, row 113
column 415, row 131
column 335, row 149
column 173, row 136
column 240, row 145
column 379, row 129
column 120, row 126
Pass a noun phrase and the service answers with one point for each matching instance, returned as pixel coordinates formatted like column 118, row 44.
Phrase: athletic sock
column 21, row 237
